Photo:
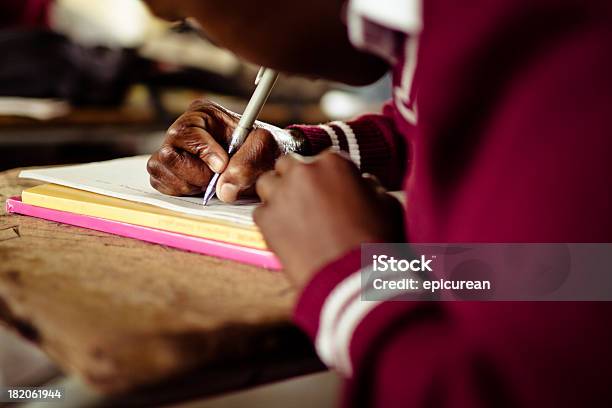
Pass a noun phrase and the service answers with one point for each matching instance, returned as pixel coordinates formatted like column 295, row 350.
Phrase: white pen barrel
column 238, row 137
column 264, row 85
column 259, row 98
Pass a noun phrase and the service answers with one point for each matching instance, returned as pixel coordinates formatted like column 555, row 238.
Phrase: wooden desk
column 123, row 314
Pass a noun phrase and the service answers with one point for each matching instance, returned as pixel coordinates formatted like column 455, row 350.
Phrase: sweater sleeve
column 425, row 353
column 372, row 141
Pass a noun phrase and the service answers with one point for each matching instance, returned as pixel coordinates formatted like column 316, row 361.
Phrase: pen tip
column 210, row 189
column 210, row 192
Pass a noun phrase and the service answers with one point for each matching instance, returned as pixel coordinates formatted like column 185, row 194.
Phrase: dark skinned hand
column 316, row 209
column 196, row 147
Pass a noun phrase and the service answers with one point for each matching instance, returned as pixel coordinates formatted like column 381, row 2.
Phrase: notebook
column 119, row 190
column 128, row 179
column 252, row 256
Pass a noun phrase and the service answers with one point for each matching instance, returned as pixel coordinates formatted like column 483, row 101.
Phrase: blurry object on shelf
column 39, row 109
column 110, row 23
column 294, row 89
column 100, row 49
column 341, row 104
column 349, row 102
column 42, row 64
column 189, row 50
column 124, row 77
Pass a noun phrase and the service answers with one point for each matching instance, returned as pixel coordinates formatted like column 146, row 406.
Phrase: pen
column 264, row 82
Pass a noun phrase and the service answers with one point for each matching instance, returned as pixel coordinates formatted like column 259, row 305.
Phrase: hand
column 314, row 211
column 196, row 146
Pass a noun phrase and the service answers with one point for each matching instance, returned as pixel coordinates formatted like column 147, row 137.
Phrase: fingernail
column 229, row 192
column 215, row 163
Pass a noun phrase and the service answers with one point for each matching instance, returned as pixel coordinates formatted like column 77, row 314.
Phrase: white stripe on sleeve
column 337, row 300
column 332, row 135
column 351, row 140
column 341, row 314
column 353, row 314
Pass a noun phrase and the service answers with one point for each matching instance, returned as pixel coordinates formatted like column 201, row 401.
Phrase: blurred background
column 88, row 80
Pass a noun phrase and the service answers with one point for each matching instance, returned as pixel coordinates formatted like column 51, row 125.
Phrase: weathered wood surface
column 123, row 313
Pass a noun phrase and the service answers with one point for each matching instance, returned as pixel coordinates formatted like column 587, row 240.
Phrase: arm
column 455, row 354
column 371, row 140
column 493, row 353
column 193, row 149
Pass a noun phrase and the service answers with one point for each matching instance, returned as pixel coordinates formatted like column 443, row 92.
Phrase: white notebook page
column 128, row 179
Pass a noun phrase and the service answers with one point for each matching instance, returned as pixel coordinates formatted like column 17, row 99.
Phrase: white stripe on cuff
column 351, row 139
column 339, row 297
column 353, row 314
column 341, row 314
column 332, row 135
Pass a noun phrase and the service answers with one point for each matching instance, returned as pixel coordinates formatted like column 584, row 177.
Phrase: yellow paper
column 68, row 199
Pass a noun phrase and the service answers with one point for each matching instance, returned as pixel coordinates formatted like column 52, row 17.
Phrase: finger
column 284, row 164
column 216, row 112
column 341, row 153
column 260, row 215
column 267, row 184
column 256, row 156
column 164, row 181
column 184, row 165
column 336, row 160
column 186, row 135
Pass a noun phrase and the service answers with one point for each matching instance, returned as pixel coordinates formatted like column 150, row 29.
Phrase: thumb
column 256, row 156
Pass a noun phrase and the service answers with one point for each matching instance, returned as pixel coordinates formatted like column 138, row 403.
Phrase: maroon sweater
column 500, row 129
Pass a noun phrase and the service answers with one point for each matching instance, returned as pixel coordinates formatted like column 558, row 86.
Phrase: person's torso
column 494, row 99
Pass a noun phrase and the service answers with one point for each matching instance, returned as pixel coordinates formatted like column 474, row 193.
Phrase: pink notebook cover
column 204, row 246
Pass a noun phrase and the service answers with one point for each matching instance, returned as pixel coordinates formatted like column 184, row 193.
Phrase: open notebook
column 119, row 190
